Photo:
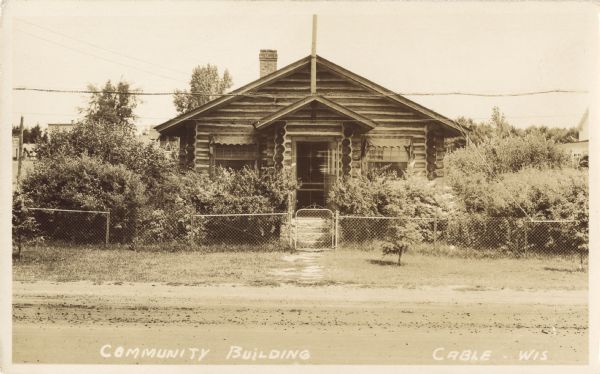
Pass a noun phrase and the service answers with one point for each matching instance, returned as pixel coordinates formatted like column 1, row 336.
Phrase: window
column 387, row 158
column 235, row 156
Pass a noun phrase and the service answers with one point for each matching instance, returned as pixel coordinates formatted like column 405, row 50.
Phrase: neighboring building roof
column 60, row 125
column 363, row 82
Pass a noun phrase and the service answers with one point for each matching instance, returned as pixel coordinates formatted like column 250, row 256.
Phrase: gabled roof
column 264, row 122
column 234, row 94
column 390, row 94
column 291, row 68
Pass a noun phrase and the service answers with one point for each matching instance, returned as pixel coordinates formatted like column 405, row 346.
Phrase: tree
column 112, row 104
column 30, row 136
column 205, row 84
column 500, row 124
column 35, row 134
column 557, row 134
column 112, row 143
column 404, row 233
column 479, row 131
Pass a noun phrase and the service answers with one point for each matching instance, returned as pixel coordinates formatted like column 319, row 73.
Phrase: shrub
column 113, row 143
column 24, row 226
column 182, row 195
column 404, row 234
column 411, row 199
column 85, row 183
column 496, row 156
column 360, row 195
column 499, row 214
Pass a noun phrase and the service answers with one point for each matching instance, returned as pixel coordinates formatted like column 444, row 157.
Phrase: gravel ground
column 82, row 322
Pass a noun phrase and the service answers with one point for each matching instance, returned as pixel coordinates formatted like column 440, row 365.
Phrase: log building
column 317, row 119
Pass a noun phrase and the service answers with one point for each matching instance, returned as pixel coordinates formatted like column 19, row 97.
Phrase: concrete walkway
column 304, row 268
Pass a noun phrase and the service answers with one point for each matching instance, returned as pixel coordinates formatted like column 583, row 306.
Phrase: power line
column 276, row 96
column 79, row 114
column 102, row 48
column 168, row 117
column 527, row 93
column 100, row 57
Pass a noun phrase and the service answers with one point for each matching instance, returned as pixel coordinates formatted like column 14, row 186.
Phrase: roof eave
column 392, row 95
column 264, row 122
column 233, row 94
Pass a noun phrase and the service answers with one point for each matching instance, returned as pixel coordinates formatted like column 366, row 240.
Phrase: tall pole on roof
column 313, row 57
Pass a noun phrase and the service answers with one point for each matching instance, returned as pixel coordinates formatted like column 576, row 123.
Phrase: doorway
column 312, row 164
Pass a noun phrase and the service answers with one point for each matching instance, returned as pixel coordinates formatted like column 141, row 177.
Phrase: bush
column 521, row 178
column 85, row 183
column 497, row 211
column 113, row 143
column 411, row 199
column 24, row 226
column 182, row 195
column 497, row 156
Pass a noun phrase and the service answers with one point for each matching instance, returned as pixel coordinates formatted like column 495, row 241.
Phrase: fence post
column 336, row 229
column 526, row 239
column 435, row 232
column 192, row 232
column 509, row 235
column 107, row 235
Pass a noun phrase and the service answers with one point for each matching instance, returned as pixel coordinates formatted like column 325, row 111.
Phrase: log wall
column 236, row 117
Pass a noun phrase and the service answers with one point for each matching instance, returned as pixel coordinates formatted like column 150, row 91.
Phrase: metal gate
column 313, row 229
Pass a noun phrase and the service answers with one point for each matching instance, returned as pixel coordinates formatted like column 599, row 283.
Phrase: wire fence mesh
column 465, row 235
column 470, row 235
column 70, row 226
column 241, row 229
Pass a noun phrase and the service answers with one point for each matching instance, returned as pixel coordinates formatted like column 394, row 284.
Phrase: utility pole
column 20, row 153
column 313, row 57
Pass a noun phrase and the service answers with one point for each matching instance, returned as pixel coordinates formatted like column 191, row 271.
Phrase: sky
column 406, row 47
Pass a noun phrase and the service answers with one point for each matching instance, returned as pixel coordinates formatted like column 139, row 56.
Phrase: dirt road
column 79, row 322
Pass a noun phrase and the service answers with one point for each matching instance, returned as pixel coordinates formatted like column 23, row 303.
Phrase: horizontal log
column 315, row 127
column 284, row 88
column 315, row 133
column 264, row 102
column 317, row 123
column 348, row 91
column 364, row 100
column 251, row 109
column 385, row 113
column 221, row 126
column 406, row 126
column 232, row 119
column 217, row 116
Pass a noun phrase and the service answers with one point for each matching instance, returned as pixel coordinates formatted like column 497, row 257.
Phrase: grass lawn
column 342, row 266
column 368, row 268
column 65, row 264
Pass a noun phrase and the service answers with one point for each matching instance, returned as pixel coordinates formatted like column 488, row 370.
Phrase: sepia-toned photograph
column 298, row 183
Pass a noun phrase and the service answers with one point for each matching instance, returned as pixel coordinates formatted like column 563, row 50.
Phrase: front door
column 312, row 170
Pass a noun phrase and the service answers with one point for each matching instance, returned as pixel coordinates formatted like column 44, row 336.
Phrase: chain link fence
column 57, row 227
column 469, row 235
column 466, row 235
column 69, row 226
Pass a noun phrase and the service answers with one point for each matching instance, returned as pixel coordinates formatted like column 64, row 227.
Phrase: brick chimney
column 268, row 61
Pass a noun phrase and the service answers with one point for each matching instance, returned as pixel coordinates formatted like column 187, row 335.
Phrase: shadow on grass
column 263, row 283
column 564, row 270
column 383, row 262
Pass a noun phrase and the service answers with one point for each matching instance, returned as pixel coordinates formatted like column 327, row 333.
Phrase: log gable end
column 345, row 107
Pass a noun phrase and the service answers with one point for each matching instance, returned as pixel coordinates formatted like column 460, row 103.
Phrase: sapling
column 404, row 233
